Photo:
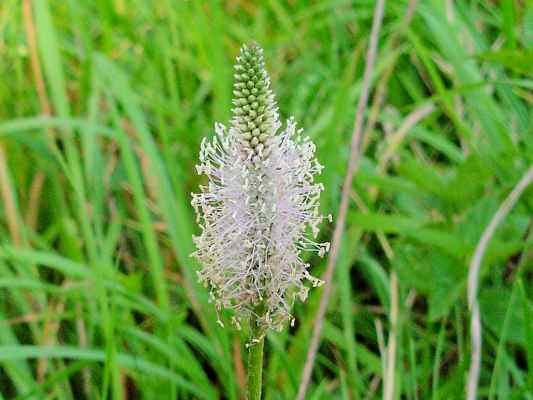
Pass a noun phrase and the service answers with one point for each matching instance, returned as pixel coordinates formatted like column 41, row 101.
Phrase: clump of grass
column 103, row 106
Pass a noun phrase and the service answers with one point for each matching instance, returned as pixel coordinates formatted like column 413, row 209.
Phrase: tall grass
column 98, row 295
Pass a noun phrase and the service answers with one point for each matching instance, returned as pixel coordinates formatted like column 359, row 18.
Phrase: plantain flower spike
column 259, row 206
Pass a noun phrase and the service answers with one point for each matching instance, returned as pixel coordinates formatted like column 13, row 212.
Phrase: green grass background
column 98, row 294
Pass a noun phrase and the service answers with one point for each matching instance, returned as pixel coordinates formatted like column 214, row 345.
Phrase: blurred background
column 103, row 105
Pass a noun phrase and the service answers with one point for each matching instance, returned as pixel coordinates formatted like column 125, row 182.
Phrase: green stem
column 255, row 361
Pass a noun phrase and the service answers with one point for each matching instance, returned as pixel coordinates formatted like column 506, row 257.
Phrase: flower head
column 260, row 203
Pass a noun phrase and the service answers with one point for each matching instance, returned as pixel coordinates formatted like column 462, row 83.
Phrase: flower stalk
column 255, row 357
column 255, row 370
column 257, row 211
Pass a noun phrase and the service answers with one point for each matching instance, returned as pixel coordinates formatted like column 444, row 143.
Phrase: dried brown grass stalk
column 473, row 280
column 343, row 209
